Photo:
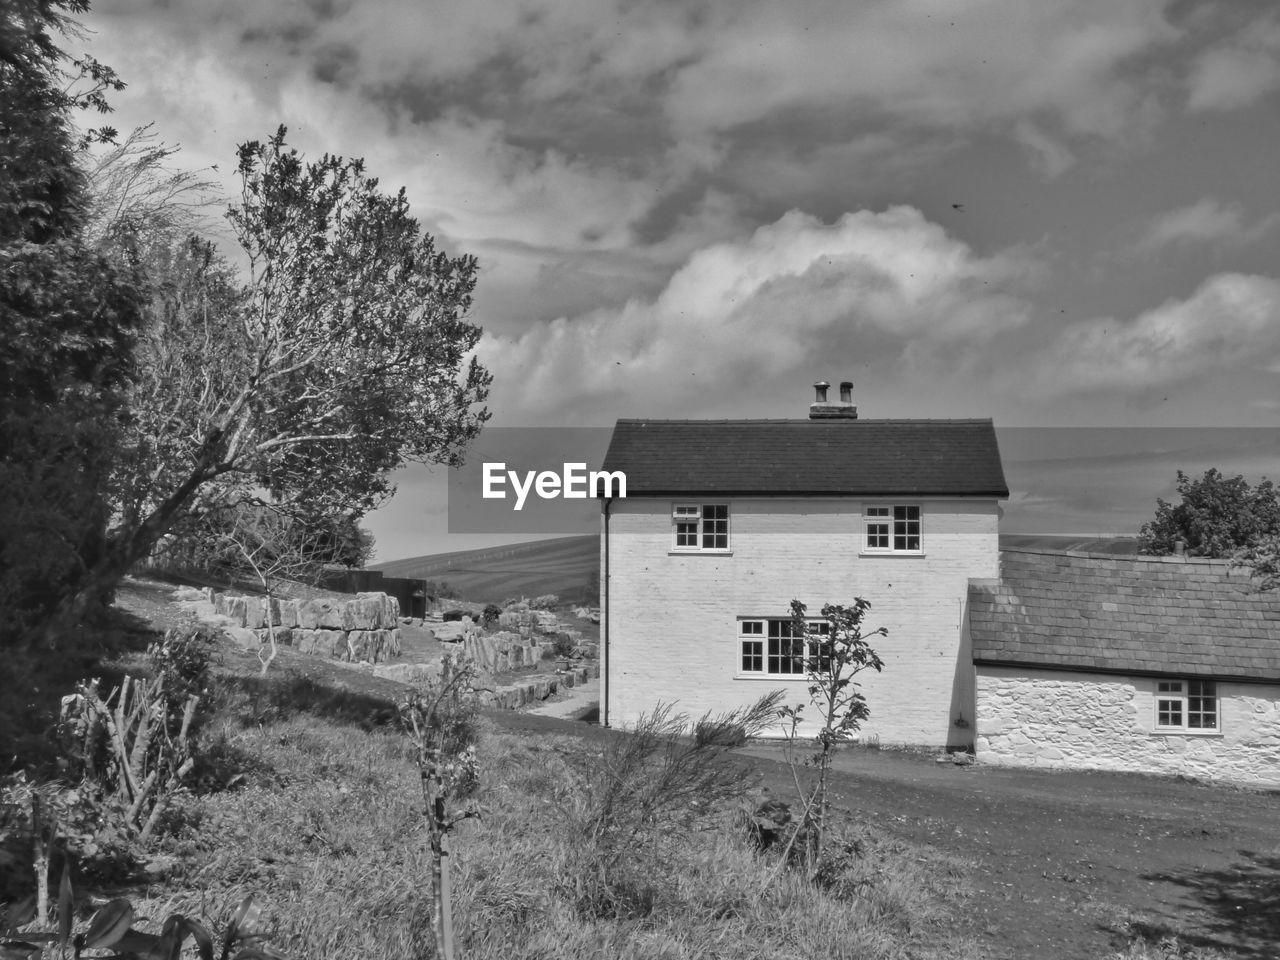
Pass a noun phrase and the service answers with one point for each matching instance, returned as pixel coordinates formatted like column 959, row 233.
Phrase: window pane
column 1169, row 713
column 786, row 649
column 752, row 656
column 906, row 528
column 715, row 526
column 1169, row 686
column 878, row 536
column 1202, row 705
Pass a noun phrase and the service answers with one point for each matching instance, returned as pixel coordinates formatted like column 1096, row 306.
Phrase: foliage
column 548, row 601
column 111, row 927
column 563, row 645
column 440, row 590
column 441, row 721
column 644, row 794
column 835, row 650
column 138, row 202
column 69, row 317
column 1216, row 517
column 340, row 355
column 131, row 750
column 491, row 614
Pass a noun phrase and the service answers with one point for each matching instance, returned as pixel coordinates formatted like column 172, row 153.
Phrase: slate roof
column 1130, row 615
column 839, row 457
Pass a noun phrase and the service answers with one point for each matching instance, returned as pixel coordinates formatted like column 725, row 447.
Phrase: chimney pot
column 824, row 409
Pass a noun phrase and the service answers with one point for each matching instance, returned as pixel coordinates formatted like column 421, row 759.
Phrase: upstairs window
column 700, row 526
column 1187, row 706
column 775, row 648
column 893, row 528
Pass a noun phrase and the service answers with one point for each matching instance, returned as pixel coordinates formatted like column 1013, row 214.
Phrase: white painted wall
column 1051, row 718
column 673, row 619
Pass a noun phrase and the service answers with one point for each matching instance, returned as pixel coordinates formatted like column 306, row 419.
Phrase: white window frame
column 760, row 647
column 1178, row 706
column 892, row 531
column 691, row 520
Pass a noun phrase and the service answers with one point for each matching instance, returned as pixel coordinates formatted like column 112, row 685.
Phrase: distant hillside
column 563, row 565
column 1039, row 541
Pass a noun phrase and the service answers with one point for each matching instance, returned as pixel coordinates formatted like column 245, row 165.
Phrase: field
column 562, row 565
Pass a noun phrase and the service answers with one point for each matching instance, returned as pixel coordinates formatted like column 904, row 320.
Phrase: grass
column 326, row 828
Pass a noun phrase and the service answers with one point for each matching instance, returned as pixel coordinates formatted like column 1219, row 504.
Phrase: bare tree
column 265, row 542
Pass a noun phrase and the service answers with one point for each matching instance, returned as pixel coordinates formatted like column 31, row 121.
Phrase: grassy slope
column 327, row 833
column 562, row 565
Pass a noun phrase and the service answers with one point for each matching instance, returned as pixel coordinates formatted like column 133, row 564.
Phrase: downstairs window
column 1186, row 706
column 775, row 648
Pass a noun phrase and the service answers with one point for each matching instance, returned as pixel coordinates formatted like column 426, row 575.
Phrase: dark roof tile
column 1059, row 611
column 808, row 457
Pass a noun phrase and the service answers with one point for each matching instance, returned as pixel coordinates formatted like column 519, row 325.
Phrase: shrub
column 563, row 645
column 643, row 795
column 491, row 614
column 548, row 601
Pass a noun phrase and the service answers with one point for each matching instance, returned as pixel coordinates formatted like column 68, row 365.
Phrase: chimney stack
column 824, row 409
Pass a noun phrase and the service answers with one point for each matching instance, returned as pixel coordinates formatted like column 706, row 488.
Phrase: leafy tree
column 69, row 316
column 1218, row 517
column 341, row 356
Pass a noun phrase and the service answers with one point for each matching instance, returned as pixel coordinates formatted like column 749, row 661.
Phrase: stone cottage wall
column 363, row 628
column 1086, row 721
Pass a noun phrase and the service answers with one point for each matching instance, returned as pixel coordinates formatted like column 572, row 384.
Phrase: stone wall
column 1056, row 718
column 502, row 651
column 363, row 628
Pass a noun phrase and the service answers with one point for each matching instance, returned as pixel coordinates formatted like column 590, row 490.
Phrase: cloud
column 933, row 64
column 1205, row 221
column 1230, row 323
column 1239, row 71
column 791, row 295
column 1049, row 156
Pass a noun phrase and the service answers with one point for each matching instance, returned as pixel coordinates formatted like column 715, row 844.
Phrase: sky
column 1051, row 214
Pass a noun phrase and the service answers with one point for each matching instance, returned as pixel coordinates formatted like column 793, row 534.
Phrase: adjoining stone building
column 1160, row 665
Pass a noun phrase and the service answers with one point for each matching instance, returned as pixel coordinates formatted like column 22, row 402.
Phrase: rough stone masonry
column 364, row 628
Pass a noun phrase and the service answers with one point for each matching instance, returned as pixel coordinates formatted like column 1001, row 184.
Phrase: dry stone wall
column 362, row 628
column 1074, row 720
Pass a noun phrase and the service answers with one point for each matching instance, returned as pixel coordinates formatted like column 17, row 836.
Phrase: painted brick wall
column 1049, row 718
column 673, row 619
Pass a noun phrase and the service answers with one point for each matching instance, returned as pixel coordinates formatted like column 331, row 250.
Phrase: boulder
column 363, row 613
column 321, row 613
column 242, row 637
column 285, row 612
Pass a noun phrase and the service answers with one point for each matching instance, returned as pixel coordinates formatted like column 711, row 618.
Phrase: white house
column 725, row 522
